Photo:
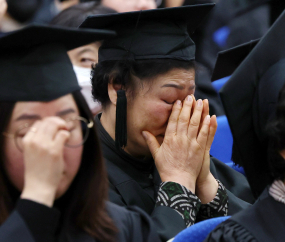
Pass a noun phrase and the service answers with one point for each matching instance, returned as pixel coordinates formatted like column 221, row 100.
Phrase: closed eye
column 169, row 103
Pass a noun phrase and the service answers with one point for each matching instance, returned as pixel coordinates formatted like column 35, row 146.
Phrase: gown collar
column 143, row 165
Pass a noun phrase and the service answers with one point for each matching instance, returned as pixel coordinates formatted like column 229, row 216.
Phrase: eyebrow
column 28, row 116
column 36, row 117
column 66, row 111
column 178, row 86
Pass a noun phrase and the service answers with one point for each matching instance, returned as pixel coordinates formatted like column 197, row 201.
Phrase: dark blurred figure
column 24, row 10
column 3, row 9
column 233, row 22
column 84, row 56
column 21, row 13
column 129, row 5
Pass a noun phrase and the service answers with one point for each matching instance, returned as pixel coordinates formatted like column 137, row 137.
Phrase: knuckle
column 172, row 119
column 194, row 123
column 183, row 119
column 203, row 133
column 54, row 153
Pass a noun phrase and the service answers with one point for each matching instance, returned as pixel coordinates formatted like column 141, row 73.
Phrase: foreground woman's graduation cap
column 145, row 35
column 229, row 60
column 250, row 97
column 34, row 65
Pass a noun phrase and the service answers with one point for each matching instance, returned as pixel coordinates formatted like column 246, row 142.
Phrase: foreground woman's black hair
column 84, row 202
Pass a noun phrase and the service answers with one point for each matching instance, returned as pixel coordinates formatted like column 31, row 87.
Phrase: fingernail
column 178, row 102
column 189, row 98
column 207, row 119
column 200, row 103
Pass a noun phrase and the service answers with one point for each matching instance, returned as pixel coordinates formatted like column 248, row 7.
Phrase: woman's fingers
column 205, row 111
column 184, row 117
column 32, row 131
column 172, row 122
column 212, row 132
column 204, row 133
column 50, row 126
column 61, row 138
column 152, row 143
column 195, row 120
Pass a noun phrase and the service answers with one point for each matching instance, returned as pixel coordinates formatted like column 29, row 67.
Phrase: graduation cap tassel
column 121, row 120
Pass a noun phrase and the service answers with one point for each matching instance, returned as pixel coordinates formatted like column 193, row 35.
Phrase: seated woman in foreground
column 53, row 183
column 155, row 136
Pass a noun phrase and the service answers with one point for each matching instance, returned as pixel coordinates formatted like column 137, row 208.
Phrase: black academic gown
column 263, row 222
column 33, row 222
column 136, row 182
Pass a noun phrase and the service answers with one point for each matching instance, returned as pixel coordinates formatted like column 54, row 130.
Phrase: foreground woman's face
column 152, row 105
column 29, row 112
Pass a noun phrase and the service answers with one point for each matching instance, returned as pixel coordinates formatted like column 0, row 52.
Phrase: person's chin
column 61, row 190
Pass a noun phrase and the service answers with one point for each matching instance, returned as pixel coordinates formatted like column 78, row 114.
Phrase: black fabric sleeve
column 230, row 231
column 41, row 220
column 166, row 221
column 133, row 224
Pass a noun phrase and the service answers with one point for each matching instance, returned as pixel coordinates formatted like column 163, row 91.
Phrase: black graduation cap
column 34, row 65
column 150, row 34
column 228, row 60
column 250, row 98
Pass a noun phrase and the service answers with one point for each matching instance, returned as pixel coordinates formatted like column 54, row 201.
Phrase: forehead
column 45, row 109
column 180, row 77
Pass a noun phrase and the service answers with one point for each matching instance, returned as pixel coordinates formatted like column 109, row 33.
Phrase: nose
column 145, row 4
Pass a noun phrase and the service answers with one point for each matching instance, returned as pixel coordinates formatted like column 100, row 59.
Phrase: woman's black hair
column 276, row 133
column 75, row 15
column 121, row 72
column 84, row 203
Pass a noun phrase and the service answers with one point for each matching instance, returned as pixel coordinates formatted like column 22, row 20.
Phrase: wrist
column 190, row 184
column 207, row 189
column 41, row 194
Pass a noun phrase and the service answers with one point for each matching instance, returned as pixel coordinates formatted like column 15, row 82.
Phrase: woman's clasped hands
column 184, row 157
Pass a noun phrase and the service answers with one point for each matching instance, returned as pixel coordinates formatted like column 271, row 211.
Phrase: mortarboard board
column 249, row 99
column 150, row 34
column 34, row 64
column 228, row 60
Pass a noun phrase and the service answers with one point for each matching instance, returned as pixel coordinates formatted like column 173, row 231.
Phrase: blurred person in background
column 129, row 5
column 21, row 13
column 254, row 99
column 169, row 3
column 3, row 9
column 83, row 57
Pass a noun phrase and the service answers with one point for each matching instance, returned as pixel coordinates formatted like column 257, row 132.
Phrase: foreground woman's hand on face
column 43, row 159
column 180, row 157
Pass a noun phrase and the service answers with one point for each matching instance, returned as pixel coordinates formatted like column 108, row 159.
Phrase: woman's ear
column 112, row 91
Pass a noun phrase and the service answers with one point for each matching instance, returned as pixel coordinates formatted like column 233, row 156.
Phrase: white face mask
column 83, row 76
